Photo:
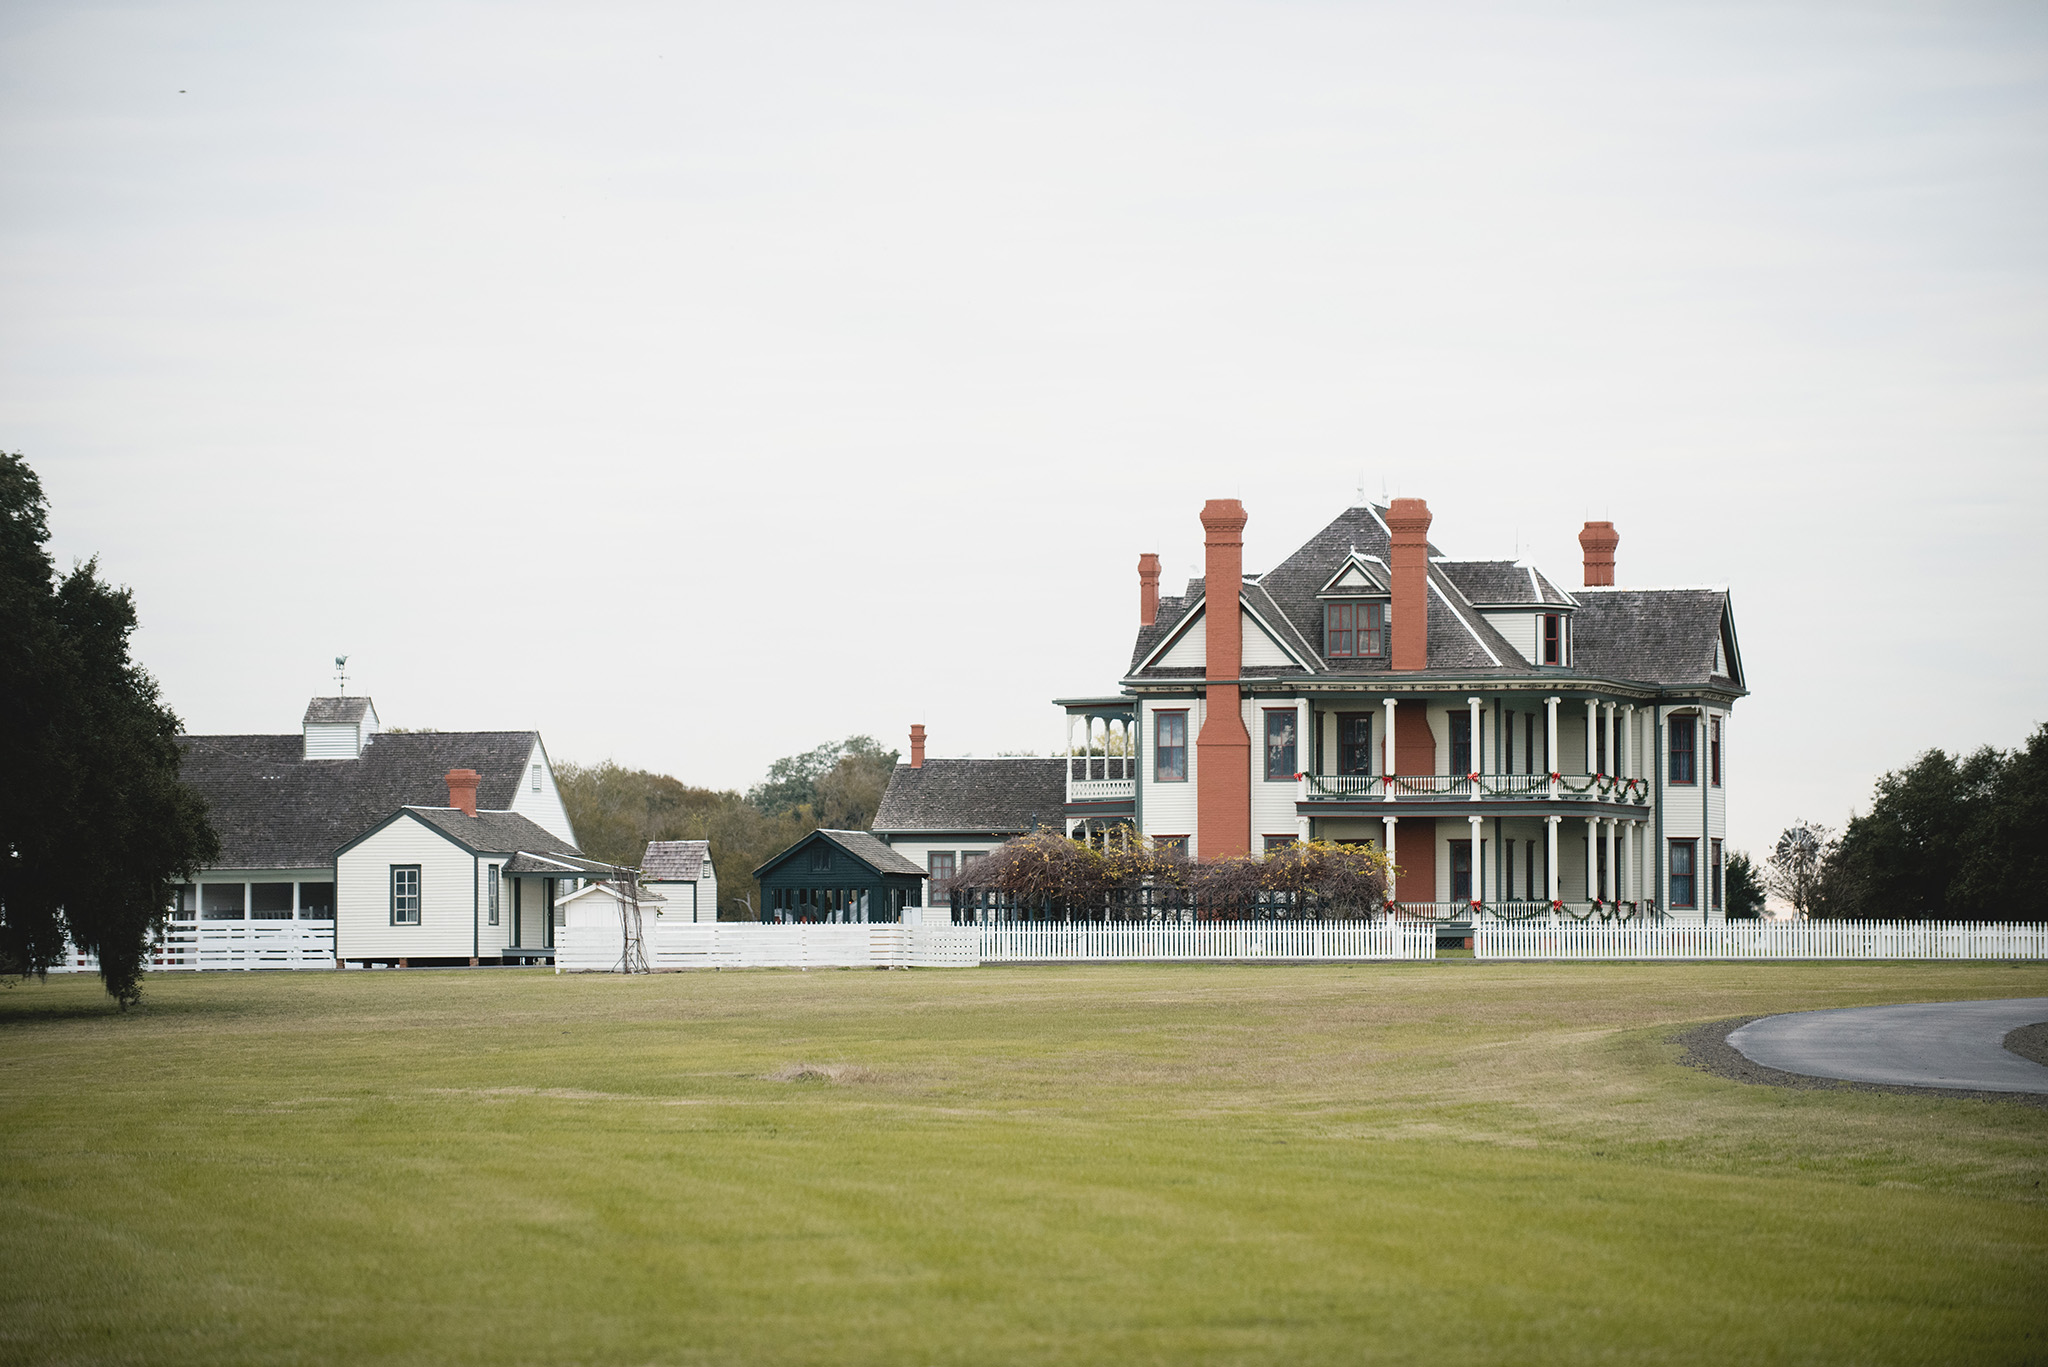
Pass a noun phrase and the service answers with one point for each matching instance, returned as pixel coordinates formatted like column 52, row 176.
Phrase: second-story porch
column 1101, row 751
column 1583, row 752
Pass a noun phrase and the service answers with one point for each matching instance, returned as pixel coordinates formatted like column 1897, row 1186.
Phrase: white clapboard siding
column 1115, row 942
column 1764, row 940
column 193, row 945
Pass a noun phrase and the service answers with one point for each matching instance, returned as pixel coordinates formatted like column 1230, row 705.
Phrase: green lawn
column 1430, row 1163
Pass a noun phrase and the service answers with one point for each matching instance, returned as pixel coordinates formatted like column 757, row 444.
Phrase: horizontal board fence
column 1071, row 942
column 739, row 944
column 1764, row 940
column 195, row 945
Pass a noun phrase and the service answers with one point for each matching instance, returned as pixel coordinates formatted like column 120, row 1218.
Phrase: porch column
column 1387, row 754
column 1628, row 740
column 1391, row 822
column 1478, row 757
column 1550, row 760
column 1592, row 723
column 1613, row 878
column 1478, row 858
column 1550, row 825
column 1613, row 741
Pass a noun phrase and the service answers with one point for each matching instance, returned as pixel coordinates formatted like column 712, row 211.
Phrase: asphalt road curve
column 1928, row 1044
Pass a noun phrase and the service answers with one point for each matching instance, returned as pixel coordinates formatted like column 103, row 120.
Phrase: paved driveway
column 1928, row 1044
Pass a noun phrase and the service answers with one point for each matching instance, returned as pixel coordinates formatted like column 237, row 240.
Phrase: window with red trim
column 1354, row 629
column 1553, row 638
column 1714, row 751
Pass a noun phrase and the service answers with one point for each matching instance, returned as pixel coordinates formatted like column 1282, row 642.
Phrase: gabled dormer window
column 1352, row 630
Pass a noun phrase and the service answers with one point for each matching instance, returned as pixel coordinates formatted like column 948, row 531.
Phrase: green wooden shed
column 845, row 877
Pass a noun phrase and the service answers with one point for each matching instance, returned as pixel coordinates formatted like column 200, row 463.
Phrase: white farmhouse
column 393, row 817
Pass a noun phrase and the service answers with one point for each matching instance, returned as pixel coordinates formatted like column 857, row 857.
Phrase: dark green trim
column 419, row 893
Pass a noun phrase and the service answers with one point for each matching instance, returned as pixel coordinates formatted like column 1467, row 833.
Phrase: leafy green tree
column 1745, row 888
column 837, row 775
column 1950, row 837
column 95, row 826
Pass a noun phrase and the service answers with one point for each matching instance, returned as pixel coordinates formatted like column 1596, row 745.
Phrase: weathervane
column 341, row 673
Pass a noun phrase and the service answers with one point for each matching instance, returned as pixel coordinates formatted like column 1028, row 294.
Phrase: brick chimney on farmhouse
column 917, row 745
column 462, row 790
column 1148, row 589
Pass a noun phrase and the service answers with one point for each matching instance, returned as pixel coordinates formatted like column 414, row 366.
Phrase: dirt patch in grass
column 1706, row 1048
column 833, row 1074
column 2030, row 1041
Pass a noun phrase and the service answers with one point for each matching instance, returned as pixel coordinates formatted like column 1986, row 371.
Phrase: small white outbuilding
column 680, row 872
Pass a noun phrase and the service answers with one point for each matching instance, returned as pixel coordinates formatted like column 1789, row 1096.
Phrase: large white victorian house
column 1510, row 743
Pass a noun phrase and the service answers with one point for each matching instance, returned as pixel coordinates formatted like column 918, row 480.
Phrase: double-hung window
column 1282, row 726
column 1682, row 737
column 491, row 879
column 1714, row 751
column 1170, row 747
column 1682, row 889
column 1461, row 743
column 1714, row 871
column 1553, row 638
column 405, row 894
column 939, row 865
column 1354, row 629
column 1461, row 870
column 1354, row 742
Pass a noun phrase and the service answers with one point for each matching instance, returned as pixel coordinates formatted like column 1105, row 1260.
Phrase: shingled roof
column 494, row 832
column 274, row 808
column 675, row 861
column 335, row 711
column 998, row 796
column 1660, row 636
column 1665, row 636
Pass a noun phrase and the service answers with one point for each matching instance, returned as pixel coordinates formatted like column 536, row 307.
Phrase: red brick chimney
column 917, row 745
column 462, row 790
column 1148, row 589
column 1409, row 519
column 1598, row 542
column 1223, row 750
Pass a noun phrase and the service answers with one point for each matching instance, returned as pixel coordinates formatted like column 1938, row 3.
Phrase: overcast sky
column 699, row 383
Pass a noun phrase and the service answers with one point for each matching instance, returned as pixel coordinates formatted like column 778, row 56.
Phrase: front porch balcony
column 1101, row 789
column 1632, row 792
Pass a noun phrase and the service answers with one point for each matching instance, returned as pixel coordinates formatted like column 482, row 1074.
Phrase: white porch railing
column 192, row 945
column 1763, row 940
column 1101, row 789
column 1126, row 942
column 1342, row 785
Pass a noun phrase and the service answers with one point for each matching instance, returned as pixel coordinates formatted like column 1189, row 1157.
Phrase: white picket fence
column 194, row 945
column 1127, row 942
column 595, row 949
column 1763, row 940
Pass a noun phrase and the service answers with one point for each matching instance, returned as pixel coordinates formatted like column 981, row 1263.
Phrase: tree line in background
column 617, row 811
column 1955, row 838
column 95, row 826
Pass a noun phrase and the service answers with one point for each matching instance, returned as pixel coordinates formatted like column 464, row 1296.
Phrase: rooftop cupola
column 338, row 728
